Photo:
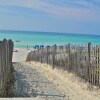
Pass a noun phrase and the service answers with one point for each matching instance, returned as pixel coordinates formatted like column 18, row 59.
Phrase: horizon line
column 68, row 33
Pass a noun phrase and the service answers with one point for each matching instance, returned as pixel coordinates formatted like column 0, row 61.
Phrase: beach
column 20, row 54
column 67, row 83
column 50, row 50
column 29, row 82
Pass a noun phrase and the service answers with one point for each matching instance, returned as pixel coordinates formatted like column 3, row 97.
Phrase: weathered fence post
column 89, row 62
column 47, row 53
column 6, row 51
column 53, row 54
column 69, row 57
column 34, row 55
column 66, row 56
column 0, row 67
column 41, row 54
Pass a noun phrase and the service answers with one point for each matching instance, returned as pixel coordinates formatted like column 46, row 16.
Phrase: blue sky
column 70, row 16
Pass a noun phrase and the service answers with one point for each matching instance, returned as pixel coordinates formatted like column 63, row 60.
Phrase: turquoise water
column 46, row 38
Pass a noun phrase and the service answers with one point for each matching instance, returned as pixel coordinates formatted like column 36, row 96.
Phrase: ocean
column 23, row 38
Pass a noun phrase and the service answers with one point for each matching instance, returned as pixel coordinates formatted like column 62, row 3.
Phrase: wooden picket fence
column 80, row 59
column 6, row 51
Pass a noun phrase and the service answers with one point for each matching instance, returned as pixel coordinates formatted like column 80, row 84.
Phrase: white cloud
column 66, row 11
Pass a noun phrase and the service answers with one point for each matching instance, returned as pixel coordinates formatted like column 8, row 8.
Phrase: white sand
column 21, row 54
column 67, row 83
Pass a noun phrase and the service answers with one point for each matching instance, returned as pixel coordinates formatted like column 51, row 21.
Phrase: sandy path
column 31, row 83
column 68, row 84
column 21, row 54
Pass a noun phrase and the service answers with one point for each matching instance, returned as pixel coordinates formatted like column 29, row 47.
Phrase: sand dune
column 68, row 84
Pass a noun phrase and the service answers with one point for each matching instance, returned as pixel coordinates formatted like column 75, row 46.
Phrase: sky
column 68, row 16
